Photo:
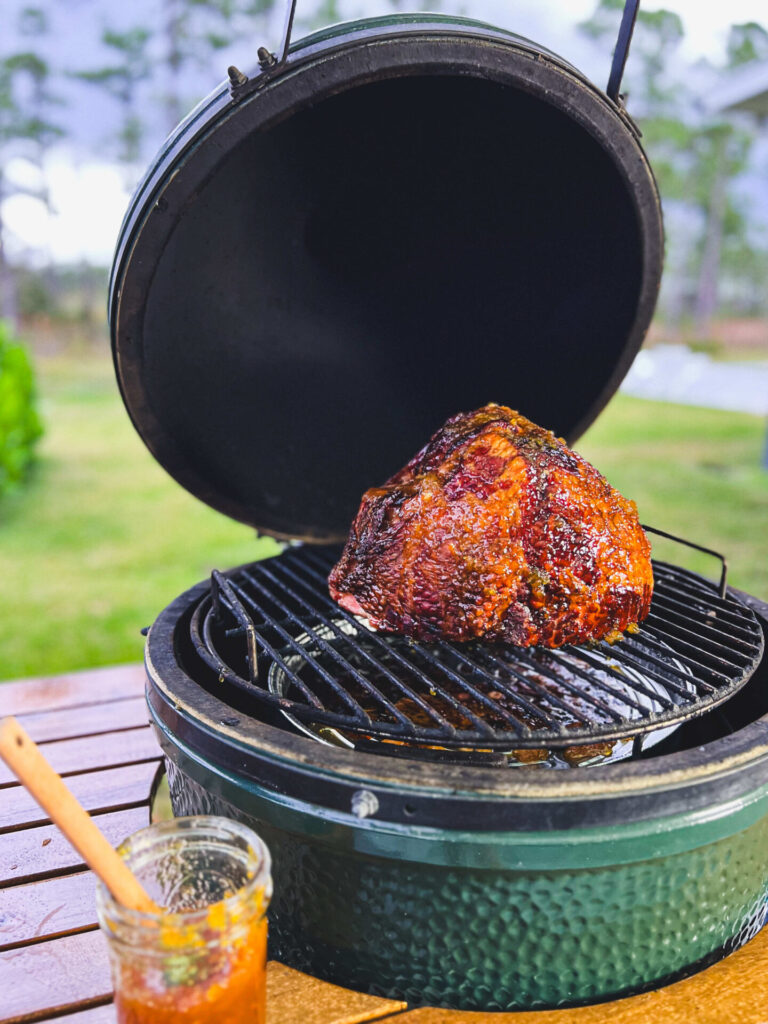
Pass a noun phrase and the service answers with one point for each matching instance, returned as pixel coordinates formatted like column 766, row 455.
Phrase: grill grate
column 272, row 630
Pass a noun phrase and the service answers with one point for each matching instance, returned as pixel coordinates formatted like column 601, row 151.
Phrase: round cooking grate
column 271, row 630
column 551, row 692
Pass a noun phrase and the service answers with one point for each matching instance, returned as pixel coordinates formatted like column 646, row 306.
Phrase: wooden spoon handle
column 23, row 757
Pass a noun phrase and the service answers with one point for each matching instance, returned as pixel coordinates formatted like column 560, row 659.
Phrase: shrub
column 20, row 425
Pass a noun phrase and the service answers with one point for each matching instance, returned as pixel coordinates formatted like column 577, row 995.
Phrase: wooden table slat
column 734, row 991
column 89, row 753
column 38, row 981
column 105, row 1014
column 110, row 790
column 71, row 689
column 292, row 998
column 43, row 851
column 53, row 959
column 86, row 720
column 42, row 910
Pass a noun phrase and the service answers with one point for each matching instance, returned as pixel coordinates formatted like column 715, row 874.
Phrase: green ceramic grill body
column 540, row 889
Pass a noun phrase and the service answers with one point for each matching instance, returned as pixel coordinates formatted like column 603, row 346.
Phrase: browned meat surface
column 496, row 529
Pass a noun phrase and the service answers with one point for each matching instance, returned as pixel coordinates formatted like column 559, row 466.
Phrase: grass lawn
column 101, row 539
column 695, row 473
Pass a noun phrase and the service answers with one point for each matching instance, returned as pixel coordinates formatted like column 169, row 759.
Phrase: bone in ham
column 496, row 530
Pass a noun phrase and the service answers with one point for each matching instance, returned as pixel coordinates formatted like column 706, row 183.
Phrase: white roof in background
column 743, row 89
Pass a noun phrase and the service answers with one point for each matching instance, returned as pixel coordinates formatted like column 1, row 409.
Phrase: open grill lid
column 404, row 218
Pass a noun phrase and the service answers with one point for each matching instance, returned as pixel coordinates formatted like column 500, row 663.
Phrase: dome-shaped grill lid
column 392, row 228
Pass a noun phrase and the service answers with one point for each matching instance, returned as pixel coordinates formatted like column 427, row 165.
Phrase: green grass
column 102, row 539
column 695, row 473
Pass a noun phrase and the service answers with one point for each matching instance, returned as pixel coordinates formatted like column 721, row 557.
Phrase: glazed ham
column 496, row 530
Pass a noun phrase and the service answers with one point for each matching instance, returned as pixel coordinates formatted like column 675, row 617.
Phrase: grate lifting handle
column 221, row 585
column 723, row 584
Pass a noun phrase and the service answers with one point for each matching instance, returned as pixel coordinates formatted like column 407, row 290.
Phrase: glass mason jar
column 204, row 958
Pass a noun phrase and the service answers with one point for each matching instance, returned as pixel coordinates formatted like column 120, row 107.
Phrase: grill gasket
column 697, row 646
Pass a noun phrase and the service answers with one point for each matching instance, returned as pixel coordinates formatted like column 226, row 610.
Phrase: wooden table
column 53, row 960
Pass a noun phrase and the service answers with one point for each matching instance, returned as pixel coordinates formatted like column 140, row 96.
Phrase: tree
column 195, row 31
column 27, row 129
column 656, row 36
column 153, row 60
column 696, row 156
column 653, row 92
column 121, row 81
column 746, row 42
column 722, row 152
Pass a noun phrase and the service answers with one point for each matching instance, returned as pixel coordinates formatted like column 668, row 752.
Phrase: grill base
column 472, row 887
column 537, row 939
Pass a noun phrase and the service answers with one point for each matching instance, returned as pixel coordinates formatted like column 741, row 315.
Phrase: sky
column 706, row 22
column 89, row 196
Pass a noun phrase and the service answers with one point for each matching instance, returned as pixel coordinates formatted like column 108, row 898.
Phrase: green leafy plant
column 20, row 425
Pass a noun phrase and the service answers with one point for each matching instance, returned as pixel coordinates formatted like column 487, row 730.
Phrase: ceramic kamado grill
column 385, row 223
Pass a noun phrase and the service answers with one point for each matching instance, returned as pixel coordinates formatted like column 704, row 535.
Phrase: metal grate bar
column 689, row 584
column 641, row 663
column 333, row 654
column 525, row 705
column 720, row 653
column 693, row 651
column 548, row 696
column 362, row 652
column 645, row 641
column 674, row 611
column 614, row 668
column 219, row 665
column 545, row 694
column 427, row 681
column 427, row 656
column 359, row 713
column 591, row 677
column 582, row 694
column 722, row 587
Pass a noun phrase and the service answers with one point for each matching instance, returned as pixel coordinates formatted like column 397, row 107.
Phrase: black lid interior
column 371, row 265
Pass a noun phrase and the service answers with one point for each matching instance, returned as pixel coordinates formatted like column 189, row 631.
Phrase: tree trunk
column 706, row 294
column 173, row 60
column 9, row 309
